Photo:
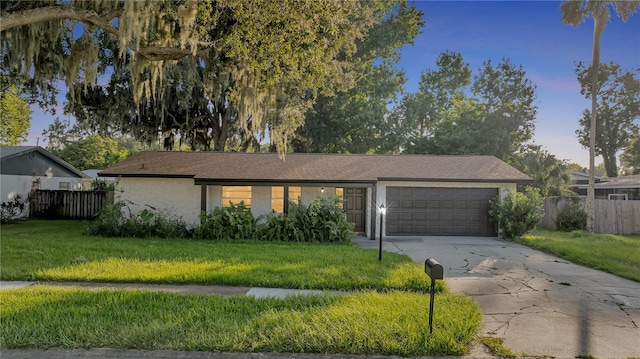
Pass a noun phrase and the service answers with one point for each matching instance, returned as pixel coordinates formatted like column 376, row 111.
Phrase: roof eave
column 467, row 180
column 254, row 182
column 141, row 175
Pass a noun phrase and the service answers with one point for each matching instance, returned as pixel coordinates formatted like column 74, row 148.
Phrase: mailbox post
column 435, row 271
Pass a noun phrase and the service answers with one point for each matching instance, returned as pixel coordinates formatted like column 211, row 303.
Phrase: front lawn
column 386, row 314
column 393, row 323
column 58, row 251
column 616, row 254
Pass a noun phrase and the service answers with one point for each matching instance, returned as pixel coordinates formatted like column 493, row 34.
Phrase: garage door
column 439, row 211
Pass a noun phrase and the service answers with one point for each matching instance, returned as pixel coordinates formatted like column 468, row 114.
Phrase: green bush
column 113, row 222
column 293, row 226
column 518, row 212
column 233, row 222
column 571, row 218
column 99, row 184
column 321, row 221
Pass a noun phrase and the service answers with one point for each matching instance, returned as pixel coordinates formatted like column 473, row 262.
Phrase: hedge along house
column 424, row 195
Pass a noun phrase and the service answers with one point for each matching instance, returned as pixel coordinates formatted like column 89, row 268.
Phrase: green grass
column 616, row 254
column 496, row 348
column 386, row 314
column 58, row 251
column 391, row 323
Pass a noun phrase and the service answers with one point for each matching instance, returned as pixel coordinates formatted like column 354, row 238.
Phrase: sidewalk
column 255, row 292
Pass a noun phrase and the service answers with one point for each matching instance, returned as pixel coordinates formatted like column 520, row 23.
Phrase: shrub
column 321, row 221
column 571, row 218
column 12, row 209
column 110, row 221
column 233, row 222
column 518, row 212
column 113, row 222
column 99, row 184
column 328, row 221
column 293, row 226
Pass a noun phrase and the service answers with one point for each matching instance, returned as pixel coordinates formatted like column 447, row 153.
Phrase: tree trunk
column 591, row 194
column 610, row 163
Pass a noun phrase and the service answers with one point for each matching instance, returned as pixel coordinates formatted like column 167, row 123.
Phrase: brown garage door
column 439, row 211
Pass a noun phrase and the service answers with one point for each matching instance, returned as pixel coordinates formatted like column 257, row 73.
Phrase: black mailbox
column 433, row 269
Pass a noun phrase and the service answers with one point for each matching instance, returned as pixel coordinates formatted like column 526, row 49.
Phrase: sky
column 528, row 33
column 531, row 34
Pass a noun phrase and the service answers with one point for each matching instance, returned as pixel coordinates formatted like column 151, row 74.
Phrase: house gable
column 35, row 162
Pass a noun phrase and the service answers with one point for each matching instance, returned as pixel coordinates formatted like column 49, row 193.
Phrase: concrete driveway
column 540, row 304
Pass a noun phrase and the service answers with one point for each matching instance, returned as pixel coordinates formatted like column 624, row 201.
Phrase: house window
column 277, row 197
column 64, row 186
column 235, row 195
column 340, row 194
column 618, row 196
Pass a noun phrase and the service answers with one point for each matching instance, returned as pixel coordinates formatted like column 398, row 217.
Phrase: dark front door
column 354, row 206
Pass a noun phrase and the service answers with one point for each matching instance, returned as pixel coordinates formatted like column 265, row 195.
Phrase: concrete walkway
column 255, row 292
column 540, row 304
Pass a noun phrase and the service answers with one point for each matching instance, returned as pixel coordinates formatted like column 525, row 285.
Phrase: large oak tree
column 267, row 60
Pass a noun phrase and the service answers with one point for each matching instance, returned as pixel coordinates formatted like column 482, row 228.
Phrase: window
column 622, row 197
column 340, row 194
column 277, row 197
column 64, row 186
column 235, row 195
column 294, row 194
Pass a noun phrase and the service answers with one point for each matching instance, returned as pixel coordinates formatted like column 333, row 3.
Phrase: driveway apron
column 539, row 304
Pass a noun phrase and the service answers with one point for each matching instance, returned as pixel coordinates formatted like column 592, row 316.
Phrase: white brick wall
column 179, row 197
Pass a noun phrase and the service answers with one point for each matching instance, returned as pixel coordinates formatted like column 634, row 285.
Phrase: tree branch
column 90, row 17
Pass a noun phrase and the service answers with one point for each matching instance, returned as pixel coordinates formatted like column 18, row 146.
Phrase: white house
column 422, row 195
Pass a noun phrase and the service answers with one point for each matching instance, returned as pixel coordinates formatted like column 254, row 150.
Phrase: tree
column 574, row 13
column 550, row 175
column 507, row 98
column 355, row 121
column 630, row 158
column 618, row 110
column 93, row 152
column 497, row 120
column 268, row 59
column 59, row 134
column 86, row 149
column 15, row 118
column 422, row 113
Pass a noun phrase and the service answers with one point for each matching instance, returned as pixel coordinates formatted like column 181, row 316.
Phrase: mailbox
column 433, row 269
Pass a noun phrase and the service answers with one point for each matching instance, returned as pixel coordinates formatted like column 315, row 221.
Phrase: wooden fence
column 615, row 217
column 68, row 204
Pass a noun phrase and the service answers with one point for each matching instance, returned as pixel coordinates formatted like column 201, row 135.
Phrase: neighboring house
column 579, row 182
column 27, row 168
column 425, row 195
column 620, row 188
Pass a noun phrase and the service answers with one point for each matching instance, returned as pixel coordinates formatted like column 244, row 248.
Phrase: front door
column 354, row 206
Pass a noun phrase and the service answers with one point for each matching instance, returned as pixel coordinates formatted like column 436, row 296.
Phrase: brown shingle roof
column 256, row 167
